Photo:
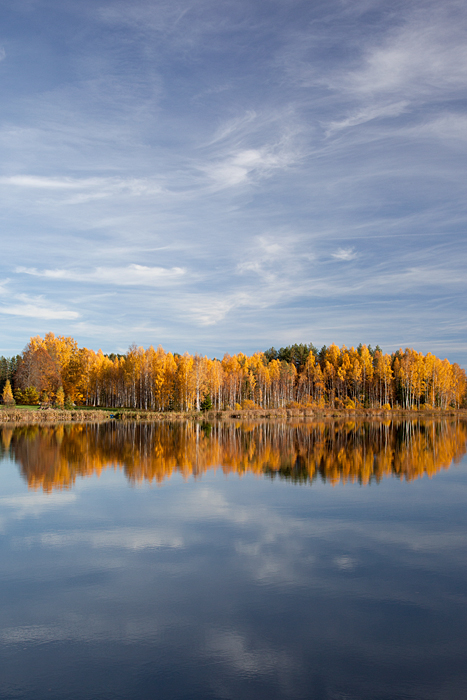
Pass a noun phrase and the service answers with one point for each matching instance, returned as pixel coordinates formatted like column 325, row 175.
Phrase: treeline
column 55, row 370
column 54, row 457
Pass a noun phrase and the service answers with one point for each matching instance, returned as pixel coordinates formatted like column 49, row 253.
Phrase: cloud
column 233, row 127
column 447, row 126
column 272, row 287
column 2, row 53
column 426, row 54
column 368, row 114
column 415, row 58
column 3, row 284
column 344, row 254
column 248, row 164
column 212, row 310
column 124, row 276
column 96, row 187
column 154, row 18
column 53, row 183
column 38, row 308
column 249, row 148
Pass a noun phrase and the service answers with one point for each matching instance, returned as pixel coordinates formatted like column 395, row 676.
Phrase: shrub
column 30, row 396
column 18, row 396
column 44, row 398
column 294, row 404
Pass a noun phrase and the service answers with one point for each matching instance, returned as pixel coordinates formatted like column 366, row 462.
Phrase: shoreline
column 24, row 415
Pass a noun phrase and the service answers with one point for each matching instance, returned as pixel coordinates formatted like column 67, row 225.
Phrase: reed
column 57, row 415
column 51, row 415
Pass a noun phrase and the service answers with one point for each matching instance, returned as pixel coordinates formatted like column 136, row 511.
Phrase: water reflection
column 53, row 457
column 215, row 588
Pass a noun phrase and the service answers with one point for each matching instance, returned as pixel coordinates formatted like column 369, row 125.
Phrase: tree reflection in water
column 53, row 457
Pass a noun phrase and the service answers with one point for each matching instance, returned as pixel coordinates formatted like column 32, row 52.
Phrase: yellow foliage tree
column 7, row 394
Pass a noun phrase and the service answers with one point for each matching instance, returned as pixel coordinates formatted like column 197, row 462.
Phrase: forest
column 54, row 371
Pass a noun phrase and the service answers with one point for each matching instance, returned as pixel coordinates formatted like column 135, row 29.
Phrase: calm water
column 318, row 561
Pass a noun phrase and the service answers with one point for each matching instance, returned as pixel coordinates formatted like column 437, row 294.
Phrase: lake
column 234, row 560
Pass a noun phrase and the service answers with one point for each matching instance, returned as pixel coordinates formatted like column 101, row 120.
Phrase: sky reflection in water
column 306, row 586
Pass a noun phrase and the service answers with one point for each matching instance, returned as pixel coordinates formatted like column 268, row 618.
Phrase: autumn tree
column 60, row 397
column 155, row 380
column 7, row 394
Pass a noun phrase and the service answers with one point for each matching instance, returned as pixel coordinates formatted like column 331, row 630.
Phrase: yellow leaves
column 53, row 457
column 60, row 397
column 7, row 394
column 230, row 364
column 333, row 354
column 309, row 364
column 274, row 370
column 157, row 380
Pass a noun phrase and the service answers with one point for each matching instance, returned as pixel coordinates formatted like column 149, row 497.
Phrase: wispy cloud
column 233, row 128
column 35, row 182
column 426, row 53
column 98, row 187
column 242, row 166
column 251, row 148
column 127, row 276
column 344, row 254
column 38, row 308
column 368, row 114
column 3, row 284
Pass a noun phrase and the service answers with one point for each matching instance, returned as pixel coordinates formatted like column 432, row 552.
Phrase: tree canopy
column 55, row 369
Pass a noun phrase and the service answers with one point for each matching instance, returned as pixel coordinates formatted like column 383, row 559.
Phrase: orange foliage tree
column 160, row 381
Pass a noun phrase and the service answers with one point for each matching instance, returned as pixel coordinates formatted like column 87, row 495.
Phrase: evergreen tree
column 206, row 403
column 270, row 354
column 322, row 354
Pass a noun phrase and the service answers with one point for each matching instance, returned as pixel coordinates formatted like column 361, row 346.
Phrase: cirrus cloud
column 126, row 276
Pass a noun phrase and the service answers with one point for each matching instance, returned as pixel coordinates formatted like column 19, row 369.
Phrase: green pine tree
column 206, row 403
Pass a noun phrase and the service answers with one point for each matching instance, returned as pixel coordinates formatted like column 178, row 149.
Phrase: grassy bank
column 286, row 413
column 32, row 414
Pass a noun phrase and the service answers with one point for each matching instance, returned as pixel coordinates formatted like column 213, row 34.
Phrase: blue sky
column 226, row 176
